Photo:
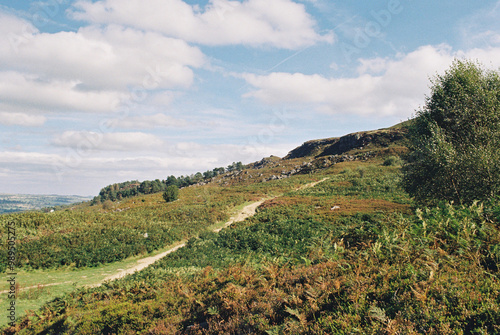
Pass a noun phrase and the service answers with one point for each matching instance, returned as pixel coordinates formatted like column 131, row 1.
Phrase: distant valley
column 10, row 203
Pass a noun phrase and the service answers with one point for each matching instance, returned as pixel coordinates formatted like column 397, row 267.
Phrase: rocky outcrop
column 338, row 146
column 264, row 162
column 311, row 148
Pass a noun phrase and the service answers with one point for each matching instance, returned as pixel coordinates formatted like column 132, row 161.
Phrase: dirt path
column 311, row 184
column 245, row 213
column 242, row 215
column 36, row 286
column 142, row 263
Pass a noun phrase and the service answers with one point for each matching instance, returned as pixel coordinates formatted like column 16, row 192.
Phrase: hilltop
column 387, row 140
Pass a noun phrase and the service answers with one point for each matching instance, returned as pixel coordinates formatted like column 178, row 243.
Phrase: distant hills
column 11, row 203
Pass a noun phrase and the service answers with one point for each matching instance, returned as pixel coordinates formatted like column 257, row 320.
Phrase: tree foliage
column 132, row 188
column 171, row 193
column 455, row 138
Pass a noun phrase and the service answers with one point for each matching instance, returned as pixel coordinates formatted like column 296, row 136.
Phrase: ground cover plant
column 65, row 243
column 295, row 268
column 93, row 235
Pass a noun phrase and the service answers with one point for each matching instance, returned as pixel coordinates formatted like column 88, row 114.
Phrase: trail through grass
column 37, row 287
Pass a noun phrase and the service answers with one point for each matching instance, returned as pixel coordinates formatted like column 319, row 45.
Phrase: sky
column 98, row 92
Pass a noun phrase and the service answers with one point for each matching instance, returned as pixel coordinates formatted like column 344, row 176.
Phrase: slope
column 348, row 255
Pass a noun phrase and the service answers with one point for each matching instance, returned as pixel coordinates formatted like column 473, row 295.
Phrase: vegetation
column 455, row 138
column 353, row 254
column 393, row 160
column 90, row 236
column 171, row 193
column 133, row 188
column 300, row 267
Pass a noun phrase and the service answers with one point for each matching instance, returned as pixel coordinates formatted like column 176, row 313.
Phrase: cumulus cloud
column 383, row 86
column 279, row 23
column 34, row 92
column 93, row 69
column 87, row 141
column 108, row 58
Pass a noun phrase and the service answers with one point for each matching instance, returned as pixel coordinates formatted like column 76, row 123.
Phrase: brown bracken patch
column 337, row 205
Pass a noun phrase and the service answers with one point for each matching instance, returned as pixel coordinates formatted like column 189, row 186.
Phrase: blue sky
column 98, row 92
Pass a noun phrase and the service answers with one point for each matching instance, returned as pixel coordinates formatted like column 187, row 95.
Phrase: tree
column 219, row 171
column 455, row 138
column 198, row 177
column 239, row 166
column 208, row 174
column 145, row 187
column 156, row 186
column 171, row 193
column 172, row 180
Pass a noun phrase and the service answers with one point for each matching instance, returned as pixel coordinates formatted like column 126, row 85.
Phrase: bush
column 392, row 161
column 454, row 139
column 171, row 193
column 107, row 205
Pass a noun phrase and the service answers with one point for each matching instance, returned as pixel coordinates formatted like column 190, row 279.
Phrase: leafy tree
column 208, row 174
column 235, row 166
column 145, row 187
column 172, row 180
column 455, row 138
column 219, row 171
column 239, row 166
column 156, row 186
column 198, row 177
column 171, row 193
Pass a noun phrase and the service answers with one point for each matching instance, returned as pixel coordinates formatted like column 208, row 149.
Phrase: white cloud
column 110, row 58
column 373, row 66
column 21, row 119
column 279, row 23
column 87, row 141
column 29, row 161
column 148, row 121
column 91, row 70
column 75, row 171
column 31, row 91
column 397, row 87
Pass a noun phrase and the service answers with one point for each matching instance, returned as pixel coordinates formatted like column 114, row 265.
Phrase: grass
column 60, row 281
column 374, row 265
column 69, row 278
column 378, row 273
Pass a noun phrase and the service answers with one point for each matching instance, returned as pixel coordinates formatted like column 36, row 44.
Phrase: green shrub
column 393, row 161
column 171, row 193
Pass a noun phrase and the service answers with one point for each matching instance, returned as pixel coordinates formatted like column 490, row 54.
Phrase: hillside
column 349, row 253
